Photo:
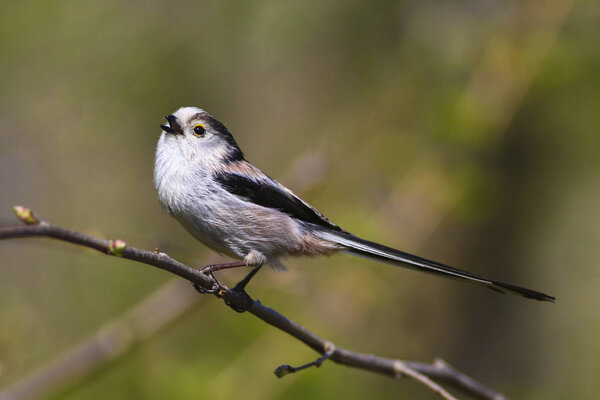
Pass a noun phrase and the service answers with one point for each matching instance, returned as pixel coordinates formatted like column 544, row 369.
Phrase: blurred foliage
column 463, row 131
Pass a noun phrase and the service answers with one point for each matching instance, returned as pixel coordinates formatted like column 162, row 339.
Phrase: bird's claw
column 220, row 290
column 215, row 289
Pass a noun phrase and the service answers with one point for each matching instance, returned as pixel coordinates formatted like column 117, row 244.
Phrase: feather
column 388, row 255
column 266, row 192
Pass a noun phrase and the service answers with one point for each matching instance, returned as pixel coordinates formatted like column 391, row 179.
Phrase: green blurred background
column 464, row 131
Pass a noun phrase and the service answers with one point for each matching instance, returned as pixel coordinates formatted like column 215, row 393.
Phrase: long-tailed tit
column 204, row 181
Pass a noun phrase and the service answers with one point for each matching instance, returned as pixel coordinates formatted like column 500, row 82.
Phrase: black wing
column 269, row 193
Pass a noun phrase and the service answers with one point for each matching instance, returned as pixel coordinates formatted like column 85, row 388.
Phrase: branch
column 419, row 371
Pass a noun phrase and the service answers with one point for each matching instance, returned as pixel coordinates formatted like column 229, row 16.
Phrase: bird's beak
column 173, row 125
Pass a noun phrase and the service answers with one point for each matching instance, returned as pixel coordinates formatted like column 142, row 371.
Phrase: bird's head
column 195, row 134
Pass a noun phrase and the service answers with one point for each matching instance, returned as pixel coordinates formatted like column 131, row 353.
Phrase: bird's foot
column 217, row 285
column 220, row 290
column 215, row 289
column 240, row 288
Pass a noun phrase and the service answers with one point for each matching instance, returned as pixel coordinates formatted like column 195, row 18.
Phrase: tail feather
column 388, row 255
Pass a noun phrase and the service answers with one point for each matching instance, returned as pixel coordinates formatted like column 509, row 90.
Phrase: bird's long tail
column 377, row 252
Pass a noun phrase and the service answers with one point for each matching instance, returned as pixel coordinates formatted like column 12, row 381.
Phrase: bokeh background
column 464, row 131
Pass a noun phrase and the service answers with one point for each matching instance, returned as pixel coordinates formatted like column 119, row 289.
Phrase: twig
column 119, row 248
column 404, row 370
column 286, row 369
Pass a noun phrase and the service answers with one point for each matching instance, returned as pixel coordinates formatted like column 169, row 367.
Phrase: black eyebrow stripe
column 197, row 116
column 234, row 153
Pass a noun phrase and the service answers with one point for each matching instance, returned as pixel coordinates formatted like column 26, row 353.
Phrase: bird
column 205, row 182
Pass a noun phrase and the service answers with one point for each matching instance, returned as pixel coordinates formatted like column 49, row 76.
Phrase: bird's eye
column 199, row 130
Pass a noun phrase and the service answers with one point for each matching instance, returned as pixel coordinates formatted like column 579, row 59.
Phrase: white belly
column 227, row 223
